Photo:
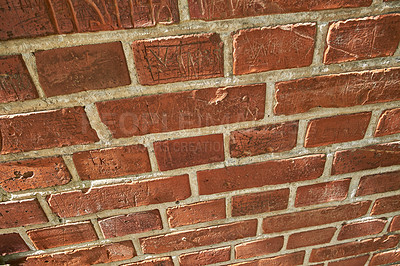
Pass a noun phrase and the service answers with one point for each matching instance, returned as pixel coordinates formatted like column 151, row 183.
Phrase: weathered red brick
column 199, row 237
column 165, row 261
column 183, row 110
column 310, row 238
column 258, row 247
column 48, row 129
column 82, row 68
column 322, row 192
column 290, row 221
column 362, row 38
column 365, row 158
column 179, row 58
column 358, row 261
column 378, row 183
column 64, row 235
column 196, row 213
column 341, row 128
column 213, row 10
column 140, row 193
column 34, row 173
column 265, row 139
column 339, row 90
column 395, row 224
column 272, row 48
column 387, row 257
column 185, row 152
column 260, row 202
column 131, row 223
column 260, row 174
column 12, row 243
column 21, row 213
column 41, row 18
column 15, row 81
column 385, row 205
column 86, row 256
column 354, row 248
column 205, row 257
column 389, row 123
column 364, row 228
column 112, row 162
column 288, row 259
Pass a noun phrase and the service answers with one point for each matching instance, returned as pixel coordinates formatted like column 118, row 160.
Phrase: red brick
column 290, row 221
column 179, row 58
column 48, row 129
column 310, row 238
column 265, row 139
column 339, row 90
column 353, row 248
column 86, row 256
column 64, row 235
column 322, row 192
column 260, row 174
column 272, row 48
column 34, row 173
column 140, row 193
column 183, row 110
column 213, row 10
column 365, row 158
column 205, row 257
column 362, row 38
column 82, row 68
column 131, row 223
column 199, row 237
column 196, row 213
column 15, row 81
column 385, row 205
column 112, row 162
column 258, row 247
column 365, row 228
column 387, row 257
column 336, row 129
column 395, row 224
column 389, row 123
column 260, row 202
column 378, row 183
column 21, row 213
column 37, row 18
column 288, row 259
column 185, row 152
column 358, row 261
column 12, row 243
column 166, row 261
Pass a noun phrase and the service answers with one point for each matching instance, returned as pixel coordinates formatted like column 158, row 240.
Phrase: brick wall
column 200, row 132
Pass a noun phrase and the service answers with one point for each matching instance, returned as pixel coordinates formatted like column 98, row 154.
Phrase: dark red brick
column 21, row 213
column 387, row 257
column 48, row 129
column 12, row 243
column 166, row 261
column 288, row 259
column 395, row 224
column 265, row 139
column 179, row 58
column 310, row 238
column 258, row 247
column 385, row 205
column 260, row 174
column 378, row 183
column 358, row 261
column 389, row 123
column 359, row 229
column 112, row 162
column 205, row 257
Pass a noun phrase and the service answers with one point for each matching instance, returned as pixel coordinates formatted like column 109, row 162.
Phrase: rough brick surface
column 358, row 261
column 339, row 90
column 205, row 257
column 166, row 261
column 131, row 223
column 65, row 235
column 185, row 152
column 363, row 38
column 341, row 128
column 265, row 139
column 260, row 174
column 75, row 203
column 35, row 131
column 181, row 58
column 389, row 123
column 395, row 224
column 378, row 183
column 199, row 237
column 310, row 238
column 272, row 48
column 15, row 82
column 358, row 229
column 288, row 259
column 387, row 257
column 21, row 213
column 196, row 213
column 12, row 243
column 258, row 247
column 112, row 162
column 183, row 110
column 290, row 221
column 35, row 173
column 385, row 205
column 260, row 202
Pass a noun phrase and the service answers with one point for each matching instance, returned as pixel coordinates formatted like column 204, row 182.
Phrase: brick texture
column 358, row 261
column 387, row 257
column 395, row 224
column 359, row 229
column 21, row 213
column 310, row 238
column 288, row 259
column 385, row 205
column 205, row 257
column 389, row 123
column 378, row 183
column 258, row 247
column 166, row 261
column 12, row 243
